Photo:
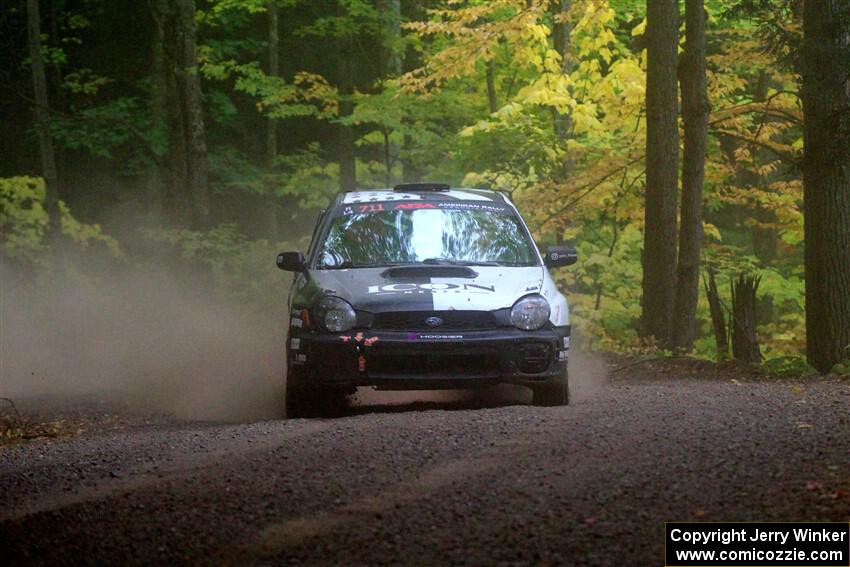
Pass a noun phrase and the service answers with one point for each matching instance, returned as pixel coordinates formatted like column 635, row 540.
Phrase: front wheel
column 301, row 401
column 298, row 402
column 304, row 400
column 555, row 392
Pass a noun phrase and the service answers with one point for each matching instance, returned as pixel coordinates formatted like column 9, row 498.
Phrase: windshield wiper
column 437, row 261
column 348, row 264
column 343, row 266
column 481, row 263
column 446, row 261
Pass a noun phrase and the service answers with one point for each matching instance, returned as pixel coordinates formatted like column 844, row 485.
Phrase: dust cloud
column 150, row 339
column 158, row 342
column 588, row 375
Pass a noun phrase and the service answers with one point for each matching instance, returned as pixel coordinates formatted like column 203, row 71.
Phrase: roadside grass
column 792, row 368
column 16, row 429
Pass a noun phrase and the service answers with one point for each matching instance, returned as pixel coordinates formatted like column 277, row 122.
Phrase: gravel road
column 432, row 484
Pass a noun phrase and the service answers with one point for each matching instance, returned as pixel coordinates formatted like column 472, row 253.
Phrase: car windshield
column 370, row 238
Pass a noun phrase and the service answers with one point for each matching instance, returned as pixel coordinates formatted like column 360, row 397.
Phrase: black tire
column 305, row 401
column 300, row 402
column 555, row 392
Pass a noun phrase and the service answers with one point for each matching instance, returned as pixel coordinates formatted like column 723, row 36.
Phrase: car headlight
column 530, row 313
column 335, row 314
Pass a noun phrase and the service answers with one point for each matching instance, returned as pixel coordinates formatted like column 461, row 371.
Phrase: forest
column 696, row 152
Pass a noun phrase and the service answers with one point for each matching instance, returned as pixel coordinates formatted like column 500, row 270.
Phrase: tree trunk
column 718, row 321
column 826, row 179
column 388, row 157
column 662, row 155
column 695, row 110
column 185, row 167
column 745, row 346
column 347, row 160
column 345, row 69
column 42, row 117
column 492, row 98
column 393, row 32
column 159, row 118
column 411, row 10
column 273, row 71
column 189, row 82
column 561, row 32
column 392, row 68
column 164, row 104
column 269, row 203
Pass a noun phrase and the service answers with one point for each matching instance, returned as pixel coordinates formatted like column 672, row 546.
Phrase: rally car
column 424, row 287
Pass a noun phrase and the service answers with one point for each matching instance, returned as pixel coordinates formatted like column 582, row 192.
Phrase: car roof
column 401, row 193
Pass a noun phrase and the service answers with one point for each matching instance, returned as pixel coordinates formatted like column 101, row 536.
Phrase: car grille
column 451, row 321
column 389, row 364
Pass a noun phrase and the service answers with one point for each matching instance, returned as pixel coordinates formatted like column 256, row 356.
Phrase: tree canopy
column 544, row 99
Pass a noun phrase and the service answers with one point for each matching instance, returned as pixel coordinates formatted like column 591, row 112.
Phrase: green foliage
column 101, row 130
column 307, row 177
column 842, row 368
column 24, row 224
column 584, row 184
column 242, row 270
column 23, row 219
column 794, row 365
column 85, row 81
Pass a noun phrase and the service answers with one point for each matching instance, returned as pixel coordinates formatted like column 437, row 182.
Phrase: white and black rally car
column 424, row 287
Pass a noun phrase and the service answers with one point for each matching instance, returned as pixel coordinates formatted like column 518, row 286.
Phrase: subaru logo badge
column 433, row 321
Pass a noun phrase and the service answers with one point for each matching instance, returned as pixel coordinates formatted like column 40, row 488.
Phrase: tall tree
column 42, row 114
column 392, row 69
column 158, row 102
column 269, row 204
column 345, row 83
column 186, row 196
column 392, row 30
column 695, row 110
column 490, row 78
column 826, row 179
column 662, row 156
column 273, row 71
column 411, row 10
column 189, row 83
column 561, row 32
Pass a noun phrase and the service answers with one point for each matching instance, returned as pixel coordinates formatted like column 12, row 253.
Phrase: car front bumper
column 430, row 360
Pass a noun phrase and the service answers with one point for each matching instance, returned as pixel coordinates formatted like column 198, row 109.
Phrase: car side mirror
column 560, row 256
column 291, row 261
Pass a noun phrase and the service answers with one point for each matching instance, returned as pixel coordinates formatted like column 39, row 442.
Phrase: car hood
column 430, row 288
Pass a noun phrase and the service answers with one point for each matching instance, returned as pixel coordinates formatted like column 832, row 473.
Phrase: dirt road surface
column 437, row 484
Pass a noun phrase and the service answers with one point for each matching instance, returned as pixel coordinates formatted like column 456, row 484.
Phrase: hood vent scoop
column 425, row 272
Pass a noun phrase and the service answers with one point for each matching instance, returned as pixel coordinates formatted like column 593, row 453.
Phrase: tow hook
column 361, row 358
